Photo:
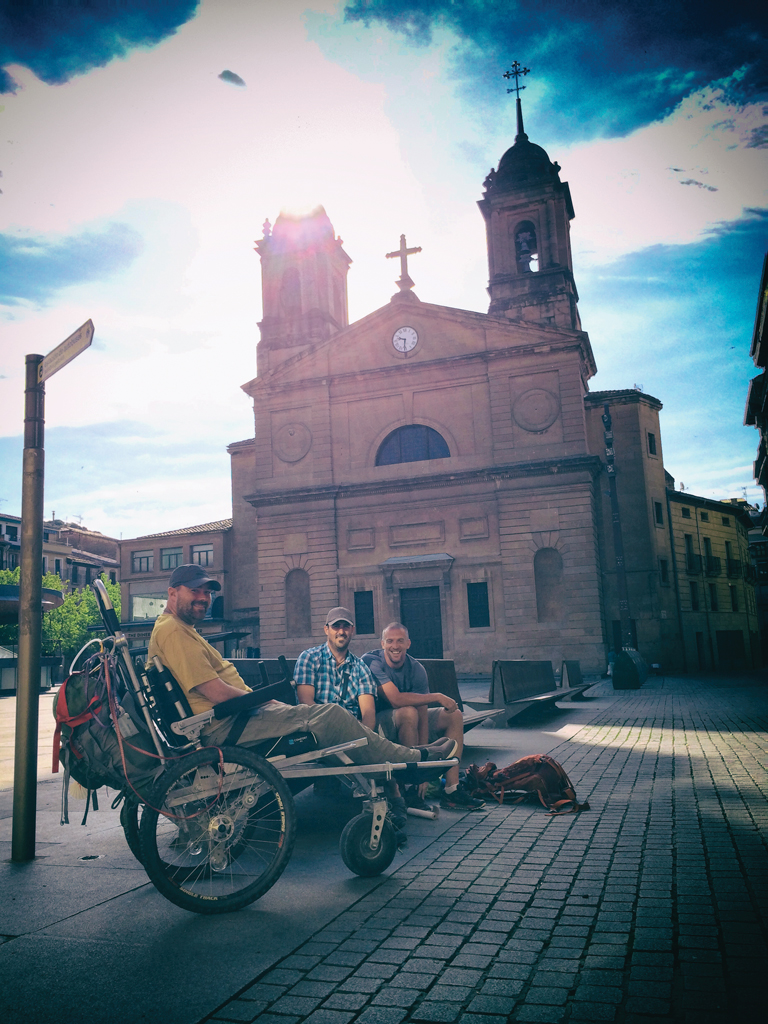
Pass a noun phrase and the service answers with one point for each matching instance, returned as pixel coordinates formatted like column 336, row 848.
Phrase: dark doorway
column 420, row 614
column 730, row 648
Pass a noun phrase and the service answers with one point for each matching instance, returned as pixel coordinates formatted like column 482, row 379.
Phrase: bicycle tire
column 225, row 834
column 129, row 819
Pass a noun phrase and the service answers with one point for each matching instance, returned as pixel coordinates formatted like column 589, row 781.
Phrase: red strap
column 63, row 718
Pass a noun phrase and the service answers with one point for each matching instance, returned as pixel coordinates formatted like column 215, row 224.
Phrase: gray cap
column 192, row 576
column 339, row 614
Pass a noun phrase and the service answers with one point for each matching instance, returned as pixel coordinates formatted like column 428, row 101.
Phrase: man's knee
column 408, row 717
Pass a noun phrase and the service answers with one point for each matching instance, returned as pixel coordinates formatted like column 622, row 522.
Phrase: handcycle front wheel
column 355, row 846
column 217, row 830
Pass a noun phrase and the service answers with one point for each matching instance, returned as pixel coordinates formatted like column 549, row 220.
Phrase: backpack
column 85, row 741
column 536, row 773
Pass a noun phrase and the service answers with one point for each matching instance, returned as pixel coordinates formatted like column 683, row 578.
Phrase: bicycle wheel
column 355, row 846
column 224, row 832
column 129, row 819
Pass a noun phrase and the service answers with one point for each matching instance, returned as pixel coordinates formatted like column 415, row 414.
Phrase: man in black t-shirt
column 406, row 711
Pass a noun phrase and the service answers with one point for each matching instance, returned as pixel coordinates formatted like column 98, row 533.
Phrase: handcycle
column 214, row 827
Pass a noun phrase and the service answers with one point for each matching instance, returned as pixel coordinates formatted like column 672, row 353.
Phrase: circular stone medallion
column 535, row 410
column 292, row 442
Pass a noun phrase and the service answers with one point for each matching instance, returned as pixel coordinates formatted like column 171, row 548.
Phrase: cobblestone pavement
column 649, row 907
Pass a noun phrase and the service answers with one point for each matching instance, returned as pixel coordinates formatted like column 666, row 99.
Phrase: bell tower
column 304, row 286
column 527, row 211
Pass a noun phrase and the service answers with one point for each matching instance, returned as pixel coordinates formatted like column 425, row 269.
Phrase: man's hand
column 447, row 702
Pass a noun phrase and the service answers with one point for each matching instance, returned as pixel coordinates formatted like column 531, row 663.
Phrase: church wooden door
column 420, row 614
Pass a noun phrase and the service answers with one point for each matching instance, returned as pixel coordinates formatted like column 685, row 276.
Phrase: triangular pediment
column 431, row 333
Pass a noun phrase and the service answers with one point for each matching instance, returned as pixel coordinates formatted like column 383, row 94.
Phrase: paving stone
column 550, row 996
column 492, row 1004
column 328, row 1016
column 397, row 996
column 593, row 1011
column 312, row 988
column 598, row 994
column 647, row 1006
column 281, row 976
column 380, row 1015
column 263, row 992
column 302, row 1005
column 328, row 972
column 544, row 1014
column 346, row 1001
column 434, row 1011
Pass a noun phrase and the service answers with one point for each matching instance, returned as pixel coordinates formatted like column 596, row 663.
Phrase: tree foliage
column 65, row 629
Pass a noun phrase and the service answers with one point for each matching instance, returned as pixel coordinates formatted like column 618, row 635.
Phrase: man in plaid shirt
column 332, row 674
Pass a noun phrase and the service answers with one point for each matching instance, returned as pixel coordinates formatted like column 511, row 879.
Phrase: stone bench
column 519, row 685
column 441, row 675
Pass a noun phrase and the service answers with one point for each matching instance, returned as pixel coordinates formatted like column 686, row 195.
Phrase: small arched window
column 526, row 247
column 414, row 443
column 298, row 610
column 548, row 574
column 290, row 290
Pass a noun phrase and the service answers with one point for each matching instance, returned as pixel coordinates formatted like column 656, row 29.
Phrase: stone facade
column 446, row 467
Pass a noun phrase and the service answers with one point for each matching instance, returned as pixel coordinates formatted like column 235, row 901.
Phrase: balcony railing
column 733, row 567
column 711, row 565
column 692, row 563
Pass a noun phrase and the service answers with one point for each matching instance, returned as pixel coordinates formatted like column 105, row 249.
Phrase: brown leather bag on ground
column 536, row 773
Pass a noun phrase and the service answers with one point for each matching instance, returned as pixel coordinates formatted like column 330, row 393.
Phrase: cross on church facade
column 405, row 283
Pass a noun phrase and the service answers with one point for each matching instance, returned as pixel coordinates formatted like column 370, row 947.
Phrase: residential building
column 147, row 562
column 73, row 552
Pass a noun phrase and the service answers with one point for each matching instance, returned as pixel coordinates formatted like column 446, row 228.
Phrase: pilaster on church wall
column 563, row 513
column 304, row 539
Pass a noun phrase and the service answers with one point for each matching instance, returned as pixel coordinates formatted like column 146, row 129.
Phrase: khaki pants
column 328, row 723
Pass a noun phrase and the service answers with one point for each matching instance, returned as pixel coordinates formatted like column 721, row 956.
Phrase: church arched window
column 298, row 610
column 290, row 290
column 526, row 247
column 548, row 574
column 414, row 443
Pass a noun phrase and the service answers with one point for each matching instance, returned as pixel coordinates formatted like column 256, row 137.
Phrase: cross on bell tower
column 527, row 211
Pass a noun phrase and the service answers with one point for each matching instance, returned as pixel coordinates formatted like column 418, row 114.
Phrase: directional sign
column 66, row 351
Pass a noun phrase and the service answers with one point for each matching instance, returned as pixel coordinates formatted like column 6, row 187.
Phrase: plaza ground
column 649, row 907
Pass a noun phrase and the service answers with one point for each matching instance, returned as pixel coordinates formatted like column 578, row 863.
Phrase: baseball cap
column 339, row 614
column 191, row 576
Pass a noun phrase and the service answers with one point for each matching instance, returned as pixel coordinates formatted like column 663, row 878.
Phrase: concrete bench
column 441, row 675
column 518, row 685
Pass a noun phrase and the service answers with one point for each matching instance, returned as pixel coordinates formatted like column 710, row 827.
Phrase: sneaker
column 460, row 800
column 412, row 799
column 441, row 750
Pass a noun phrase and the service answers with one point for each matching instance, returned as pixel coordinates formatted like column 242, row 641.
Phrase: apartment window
column 477, row 605
column 45, row 536
column 45, row 564
column 651, row 443
column 658, row 513
column 113, row 577
column 734, row 599
column 74, row 575
column 87, row 575
column 12, row 532
column 142, row 561
column 202, row 554
column 170, row 558
column 694, row 595
column 664, row 570
column 726, row 521
column 57, row 566
column 364, row 612
column 713, row 597
column 704, row 517
column 685, row 513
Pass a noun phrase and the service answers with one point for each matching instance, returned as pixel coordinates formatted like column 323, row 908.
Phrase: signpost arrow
column 66, row 351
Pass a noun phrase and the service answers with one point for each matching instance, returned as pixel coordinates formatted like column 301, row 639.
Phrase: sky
column 144, row 144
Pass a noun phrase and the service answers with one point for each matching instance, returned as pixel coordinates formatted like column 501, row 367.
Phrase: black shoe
column 460, row 800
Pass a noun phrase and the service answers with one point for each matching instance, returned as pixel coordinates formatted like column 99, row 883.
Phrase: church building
column 441, row 466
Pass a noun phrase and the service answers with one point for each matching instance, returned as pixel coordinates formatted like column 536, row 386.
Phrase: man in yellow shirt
column 209, row 679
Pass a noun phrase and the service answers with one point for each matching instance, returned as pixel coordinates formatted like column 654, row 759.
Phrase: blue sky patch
column 34, row 269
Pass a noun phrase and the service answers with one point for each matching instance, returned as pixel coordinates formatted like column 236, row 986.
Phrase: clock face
column 404, row 339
